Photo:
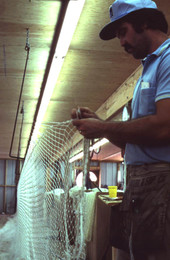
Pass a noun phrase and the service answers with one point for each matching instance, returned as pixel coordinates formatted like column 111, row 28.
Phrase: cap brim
column 109, row 31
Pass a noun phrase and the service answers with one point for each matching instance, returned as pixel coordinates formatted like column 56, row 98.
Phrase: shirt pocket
column 147, row 104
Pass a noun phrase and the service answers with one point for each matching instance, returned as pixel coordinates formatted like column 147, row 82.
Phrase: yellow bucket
column 112, row 191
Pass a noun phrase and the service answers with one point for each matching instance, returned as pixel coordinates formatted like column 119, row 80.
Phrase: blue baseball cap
column 118, row 10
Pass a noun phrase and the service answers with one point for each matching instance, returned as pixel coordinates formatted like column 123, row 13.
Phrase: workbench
column 99, row 247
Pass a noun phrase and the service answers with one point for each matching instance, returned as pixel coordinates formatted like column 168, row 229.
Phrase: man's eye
column 121, row 33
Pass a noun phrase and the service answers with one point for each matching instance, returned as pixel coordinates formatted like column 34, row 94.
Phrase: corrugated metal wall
column 109, row 173
column 7, row 186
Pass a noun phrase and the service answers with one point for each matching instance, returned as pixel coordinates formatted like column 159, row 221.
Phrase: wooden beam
column 120, row 97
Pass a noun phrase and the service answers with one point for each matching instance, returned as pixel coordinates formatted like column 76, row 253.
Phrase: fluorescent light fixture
column 76, row 157
column 99, row 144
column 70, row 22
column 93, row 147
column 72, row 15
column 51, row 81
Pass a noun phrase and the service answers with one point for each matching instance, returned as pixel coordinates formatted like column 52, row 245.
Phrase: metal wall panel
column 7, row 187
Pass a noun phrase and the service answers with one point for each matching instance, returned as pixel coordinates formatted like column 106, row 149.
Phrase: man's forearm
column 146, row 130
column 150, row 130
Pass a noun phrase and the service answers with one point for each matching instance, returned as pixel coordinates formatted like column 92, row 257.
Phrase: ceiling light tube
column 99, row 144
column 76, row 157
column 73, row 12
column 93, row 147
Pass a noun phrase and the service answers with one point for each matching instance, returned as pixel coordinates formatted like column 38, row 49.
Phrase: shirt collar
column 162, row 47
column 159, row 50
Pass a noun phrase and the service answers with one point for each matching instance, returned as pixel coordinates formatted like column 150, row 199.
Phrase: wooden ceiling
column 92, row 73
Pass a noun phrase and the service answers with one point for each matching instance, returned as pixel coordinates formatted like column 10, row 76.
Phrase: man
column 142, row 31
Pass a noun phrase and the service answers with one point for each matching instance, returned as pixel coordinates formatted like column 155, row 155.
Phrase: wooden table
column 99, row 248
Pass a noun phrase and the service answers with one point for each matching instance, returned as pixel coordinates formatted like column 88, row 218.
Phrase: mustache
column 127, row 47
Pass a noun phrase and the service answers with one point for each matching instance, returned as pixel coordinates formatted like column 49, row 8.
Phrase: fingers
column 83, row 112
column 87, row 112
column 76, row 122
column 89, row 127
column 74, row 113
column 86, row 122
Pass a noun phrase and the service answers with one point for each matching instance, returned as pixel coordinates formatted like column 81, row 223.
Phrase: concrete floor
column 3, row 219
column 4, row 245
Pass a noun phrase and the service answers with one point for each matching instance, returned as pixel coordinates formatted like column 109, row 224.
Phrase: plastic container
column 112, row 191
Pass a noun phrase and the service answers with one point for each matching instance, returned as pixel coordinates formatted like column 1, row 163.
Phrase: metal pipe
column 27, row 48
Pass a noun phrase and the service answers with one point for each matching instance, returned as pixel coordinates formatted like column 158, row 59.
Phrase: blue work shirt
column 152, row 86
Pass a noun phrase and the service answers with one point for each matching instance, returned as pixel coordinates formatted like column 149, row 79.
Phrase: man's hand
column 85, row 112
column 90, row 127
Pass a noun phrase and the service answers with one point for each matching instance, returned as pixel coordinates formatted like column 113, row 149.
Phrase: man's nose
column 122, row 41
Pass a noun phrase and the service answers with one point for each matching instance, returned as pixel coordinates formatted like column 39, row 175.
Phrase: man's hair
column 152, row 18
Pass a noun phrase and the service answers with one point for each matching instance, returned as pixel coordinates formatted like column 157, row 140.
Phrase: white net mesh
column 50, row 211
